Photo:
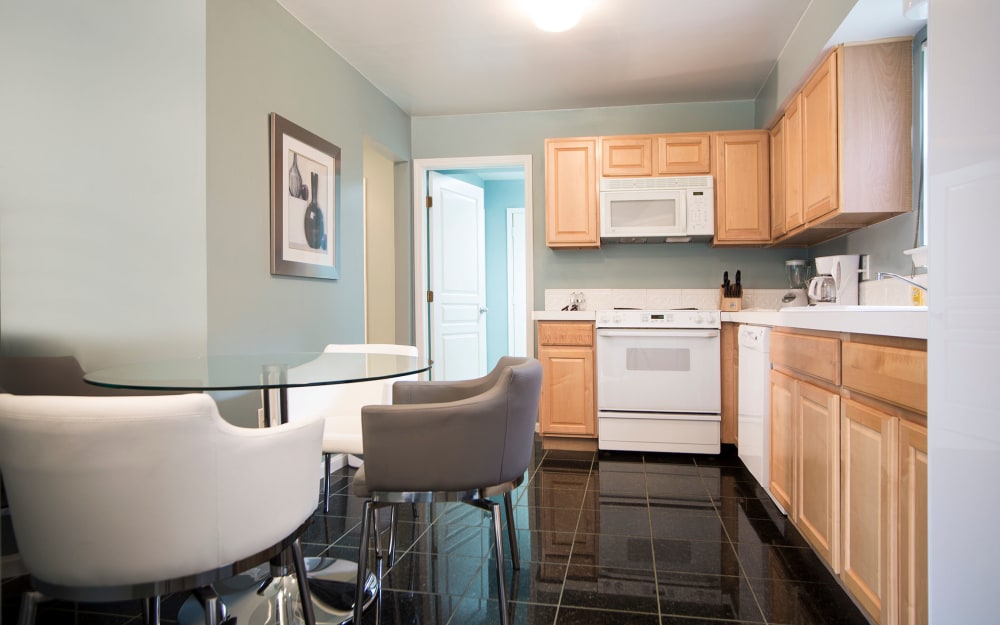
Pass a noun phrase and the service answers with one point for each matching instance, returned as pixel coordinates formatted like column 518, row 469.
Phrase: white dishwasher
column 754, row 434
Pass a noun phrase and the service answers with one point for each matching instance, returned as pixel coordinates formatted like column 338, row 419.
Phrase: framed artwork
column 305, row 202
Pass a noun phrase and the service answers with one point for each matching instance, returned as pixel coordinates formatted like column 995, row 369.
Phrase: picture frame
column 305, row 202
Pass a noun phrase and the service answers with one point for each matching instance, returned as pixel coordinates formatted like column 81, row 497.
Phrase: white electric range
column 658, row 380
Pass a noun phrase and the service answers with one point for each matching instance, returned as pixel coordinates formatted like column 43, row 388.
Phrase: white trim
column 511, row 347
column 364, row 253
column 420, row 169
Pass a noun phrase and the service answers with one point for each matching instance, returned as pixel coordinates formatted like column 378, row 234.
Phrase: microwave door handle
column 657, row 333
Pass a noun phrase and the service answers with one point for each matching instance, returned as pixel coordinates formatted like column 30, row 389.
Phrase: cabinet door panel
column 912, row 534
column 683, row 153
column 627, row 156
column 742, row 204
column 817, row 490
column 571, row 209
column 778, row 179
column 794, row 214
column 867, row 447
column 783, row 440
column 567, row 402
column 820, row 149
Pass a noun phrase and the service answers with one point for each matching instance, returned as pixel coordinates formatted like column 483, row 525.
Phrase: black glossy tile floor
column 630, row 538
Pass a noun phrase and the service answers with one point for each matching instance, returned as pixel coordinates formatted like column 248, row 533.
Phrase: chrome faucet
column 883, row 274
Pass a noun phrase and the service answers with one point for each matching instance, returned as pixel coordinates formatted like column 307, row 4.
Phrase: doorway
column 513, row 317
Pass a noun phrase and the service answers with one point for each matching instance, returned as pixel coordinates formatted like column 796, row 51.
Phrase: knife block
column 729, row 304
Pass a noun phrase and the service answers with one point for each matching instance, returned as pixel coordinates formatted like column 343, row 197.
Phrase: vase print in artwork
column 313, row 222
column 295, row 185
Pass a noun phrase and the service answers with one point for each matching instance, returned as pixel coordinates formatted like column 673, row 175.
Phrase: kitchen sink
column 843, row 308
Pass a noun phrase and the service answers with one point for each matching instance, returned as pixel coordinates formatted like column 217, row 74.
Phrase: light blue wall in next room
column 500, row 195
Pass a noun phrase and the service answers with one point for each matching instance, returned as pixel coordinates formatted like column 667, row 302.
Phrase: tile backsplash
column 887, row 292
column 662, row 299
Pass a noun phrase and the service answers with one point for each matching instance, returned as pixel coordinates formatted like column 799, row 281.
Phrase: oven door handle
column 659, row 333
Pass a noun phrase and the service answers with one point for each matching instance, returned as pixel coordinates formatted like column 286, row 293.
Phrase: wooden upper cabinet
column 630, row 155
column 820, row 150
column 794, row 215
column 778, row 179
column 571, row 201
column 742, row 191
column 683, row 154
column 848, row 155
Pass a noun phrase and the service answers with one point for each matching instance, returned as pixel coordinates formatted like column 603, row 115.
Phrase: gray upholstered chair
column 463, row 441
column 117, row 498
column 339, row 405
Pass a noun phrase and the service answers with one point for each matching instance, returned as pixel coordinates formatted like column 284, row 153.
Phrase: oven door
column 658, row 370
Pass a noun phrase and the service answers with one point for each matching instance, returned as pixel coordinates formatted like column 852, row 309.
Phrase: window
column 920, row 139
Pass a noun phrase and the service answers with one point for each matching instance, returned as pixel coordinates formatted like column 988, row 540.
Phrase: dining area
column 131, row 499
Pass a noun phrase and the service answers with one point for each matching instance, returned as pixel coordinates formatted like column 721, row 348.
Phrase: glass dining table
column 268, row 594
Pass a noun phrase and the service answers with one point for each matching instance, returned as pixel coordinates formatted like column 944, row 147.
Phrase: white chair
column 116, row 498
column 339, row 405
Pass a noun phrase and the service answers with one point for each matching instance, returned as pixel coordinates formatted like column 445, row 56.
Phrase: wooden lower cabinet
column 867, row 462
column 568, row 406
column 912, row 525
column 817, row 470
column 849, row 462
column 783, row 440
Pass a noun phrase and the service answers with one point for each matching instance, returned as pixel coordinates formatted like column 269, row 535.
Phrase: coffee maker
column 797, row 272
column 836, row 280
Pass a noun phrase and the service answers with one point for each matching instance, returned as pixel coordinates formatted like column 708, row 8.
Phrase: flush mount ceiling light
column 556, row 16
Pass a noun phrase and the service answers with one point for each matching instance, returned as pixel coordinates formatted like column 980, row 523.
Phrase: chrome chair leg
column 515, row 555
column 305, row 596
column 498, row 543
column 211, row 604
column 29, row 606
column 326, row 482
column 151, row 610
column 367, row 513
column 393, row 524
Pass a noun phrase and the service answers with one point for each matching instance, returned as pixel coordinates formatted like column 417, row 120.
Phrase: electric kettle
column 823, row 290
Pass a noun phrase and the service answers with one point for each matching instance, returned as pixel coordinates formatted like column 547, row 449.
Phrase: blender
column 797, row 272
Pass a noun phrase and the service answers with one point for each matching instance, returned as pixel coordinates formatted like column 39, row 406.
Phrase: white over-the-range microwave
column 674, row 209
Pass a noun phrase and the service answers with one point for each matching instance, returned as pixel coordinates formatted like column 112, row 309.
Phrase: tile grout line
column 729, row 539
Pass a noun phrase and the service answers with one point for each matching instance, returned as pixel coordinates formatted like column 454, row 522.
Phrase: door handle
column 483, row 310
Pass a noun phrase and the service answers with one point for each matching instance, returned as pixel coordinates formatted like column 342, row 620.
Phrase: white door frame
column 512, row 320
column 420, row 169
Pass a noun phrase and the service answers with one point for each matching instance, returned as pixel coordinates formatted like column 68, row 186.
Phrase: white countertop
column 564, row 315
column 909, row 322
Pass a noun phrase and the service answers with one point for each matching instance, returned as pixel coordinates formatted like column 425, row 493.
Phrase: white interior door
column 457, row 243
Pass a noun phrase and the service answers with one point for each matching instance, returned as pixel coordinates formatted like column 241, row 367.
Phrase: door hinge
column 430, row 201
column 430, row 296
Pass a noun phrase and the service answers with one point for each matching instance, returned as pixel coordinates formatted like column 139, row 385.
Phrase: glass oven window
column 657, row 359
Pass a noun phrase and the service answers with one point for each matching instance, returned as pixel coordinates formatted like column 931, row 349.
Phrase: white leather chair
column 339, row 405
column 117, row 498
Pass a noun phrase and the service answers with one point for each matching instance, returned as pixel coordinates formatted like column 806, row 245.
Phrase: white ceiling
column 447, row 57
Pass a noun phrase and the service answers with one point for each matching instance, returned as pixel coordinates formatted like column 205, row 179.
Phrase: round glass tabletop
column 256, row 371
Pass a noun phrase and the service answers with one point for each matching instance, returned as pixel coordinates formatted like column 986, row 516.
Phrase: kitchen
column 220, row 317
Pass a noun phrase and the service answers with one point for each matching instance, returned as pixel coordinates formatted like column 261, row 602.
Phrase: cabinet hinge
column 430, row 296
column 430, row 201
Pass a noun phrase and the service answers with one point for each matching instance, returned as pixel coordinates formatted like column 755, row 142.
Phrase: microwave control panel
column 701, row 211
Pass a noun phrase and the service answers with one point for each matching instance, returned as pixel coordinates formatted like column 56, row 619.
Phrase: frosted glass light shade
column 556, row 16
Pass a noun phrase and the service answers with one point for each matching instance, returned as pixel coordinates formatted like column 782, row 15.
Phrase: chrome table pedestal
column 257, row 598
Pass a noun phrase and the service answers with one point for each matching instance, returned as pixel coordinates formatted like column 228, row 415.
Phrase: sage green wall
column 690, row 265
column 803, row 48
column 262, row 60
column 102, row 180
